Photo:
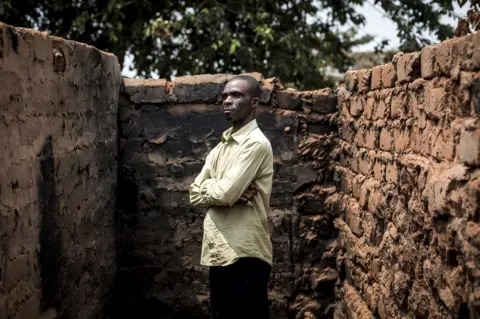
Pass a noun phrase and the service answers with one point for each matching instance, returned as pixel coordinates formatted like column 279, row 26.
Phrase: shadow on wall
column 138, row 293
column 126, row 291
column 159, row 234
column 50, row 236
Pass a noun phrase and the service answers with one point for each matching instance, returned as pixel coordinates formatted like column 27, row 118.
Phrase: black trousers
column 239, row 291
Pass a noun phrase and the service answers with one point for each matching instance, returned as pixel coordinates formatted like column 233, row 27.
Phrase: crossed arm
column 236, row 186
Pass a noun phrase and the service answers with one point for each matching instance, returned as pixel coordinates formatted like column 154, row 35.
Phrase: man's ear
column 255, row 102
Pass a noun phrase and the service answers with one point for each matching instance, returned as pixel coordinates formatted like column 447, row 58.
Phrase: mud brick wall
column 166, row 131
column 57, row 176
column 313, row 236
column 407, row 172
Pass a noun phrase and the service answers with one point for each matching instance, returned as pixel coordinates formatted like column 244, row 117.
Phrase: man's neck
column 236, row 126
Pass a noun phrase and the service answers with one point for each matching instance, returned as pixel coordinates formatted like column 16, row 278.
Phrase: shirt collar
column 241, row 134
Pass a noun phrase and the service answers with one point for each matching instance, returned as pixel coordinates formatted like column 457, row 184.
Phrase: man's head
column 240, row 98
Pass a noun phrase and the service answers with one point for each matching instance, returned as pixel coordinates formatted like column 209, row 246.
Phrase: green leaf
column 233, row 46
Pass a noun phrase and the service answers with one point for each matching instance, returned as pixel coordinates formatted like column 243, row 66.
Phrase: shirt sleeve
column 228, row 190
column 194, row 191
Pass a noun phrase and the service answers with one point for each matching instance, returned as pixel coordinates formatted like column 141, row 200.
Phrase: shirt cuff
column 204, row 193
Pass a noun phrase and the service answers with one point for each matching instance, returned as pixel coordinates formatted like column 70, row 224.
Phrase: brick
column 391, row 173
column 324, row 103
column 279, row 222
column 363, row 200
column 131, row 85
column 375, row 200
column 199, row 88
column 351, row 80
column 360, row 136
column 146, row 91
column 415, row 102
column 322, row 127
column 426, row 135
column 467, row 92
column 443, row 146
column 354, row 163
column 353, row 217
column 347, row 132
column 475, row 61
column 379, row 170
column 382, row 308
column 256, row 75
column 416, row 94
column 452, row 54
column 408, row 67
column 472, row 206
column 380, row 109
column 356, row 106
column 345, row 178
column 475, row 95
column 364, row 77
column 344, row 108
column 429, row 67
column 436, row 104
column 376, row 80
column 421, row 119
column 368, row 188
column 288, row 99
column 369, row 106
column 267, row 89
column 364, row 163
column 469, row 147
column 357, row 183
column 398, row 108
column 413, row 142
column 342, row 93
column 389, row 75
column 345, row 158
column 371, row 138
column 376, row 268
column 401, row 137
column 386, row 140
column 371, row 296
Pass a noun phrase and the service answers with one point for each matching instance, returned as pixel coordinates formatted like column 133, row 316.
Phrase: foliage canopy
column 300, row 41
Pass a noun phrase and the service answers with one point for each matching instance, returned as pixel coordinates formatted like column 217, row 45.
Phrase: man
column 235, row 186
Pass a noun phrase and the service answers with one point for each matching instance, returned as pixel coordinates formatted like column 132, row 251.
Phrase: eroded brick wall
column 314, row 244
column 166, row 131
column 57, row 176
column 409, row 181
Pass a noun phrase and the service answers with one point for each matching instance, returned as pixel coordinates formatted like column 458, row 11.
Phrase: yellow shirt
column 233, row 231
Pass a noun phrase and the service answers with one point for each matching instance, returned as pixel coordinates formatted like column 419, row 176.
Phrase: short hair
column 253, row 86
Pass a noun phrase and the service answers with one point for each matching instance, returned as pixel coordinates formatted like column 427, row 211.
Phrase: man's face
column 237, row 101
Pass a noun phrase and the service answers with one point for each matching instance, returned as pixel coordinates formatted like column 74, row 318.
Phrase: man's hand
column 247, row 196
